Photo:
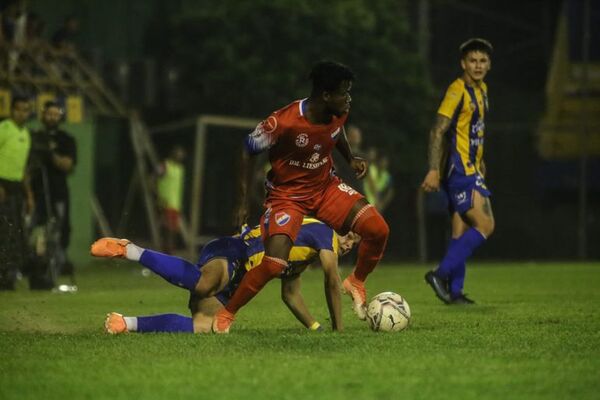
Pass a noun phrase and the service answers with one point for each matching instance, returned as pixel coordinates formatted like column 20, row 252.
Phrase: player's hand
column 360, row 166
column 431, row 183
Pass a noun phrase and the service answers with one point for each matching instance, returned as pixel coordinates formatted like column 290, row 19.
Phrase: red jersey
column 299, row 151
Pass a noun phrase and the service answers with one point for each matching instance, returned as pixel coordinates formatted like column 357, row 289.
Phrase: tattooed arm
column 431, row 183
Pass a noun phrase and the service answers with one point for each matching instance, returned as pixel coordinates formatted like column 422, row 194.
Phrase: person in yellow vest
column 15, row 143
column 170, row 195
column 379, row 189
column 371, row 177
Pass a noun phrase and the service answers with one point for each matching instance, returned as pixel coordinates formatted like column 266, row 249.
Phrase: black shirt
column 41, row 159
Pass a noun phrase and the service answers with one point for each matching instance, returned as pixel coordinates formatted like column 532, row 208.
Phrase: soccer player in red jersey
column 300, row 139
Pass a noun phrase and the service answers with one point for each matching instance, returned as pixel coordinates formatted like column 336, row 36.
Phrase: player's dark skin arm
column 358, row 164
column 431, row 183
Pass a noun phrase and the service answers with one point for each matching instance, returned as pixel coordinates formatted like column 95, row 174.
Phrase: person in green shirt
column 170, row 195
column 15, row 143
column 379, row 189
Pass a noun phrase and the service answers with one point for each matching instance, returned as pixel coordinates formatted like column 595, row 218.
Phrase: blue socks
column 453, row 265
column 165, row 323
column 175, row 270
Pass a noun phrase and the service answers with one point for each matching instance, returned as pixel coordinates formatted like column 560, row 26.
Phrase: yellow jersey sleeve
column 452, row 99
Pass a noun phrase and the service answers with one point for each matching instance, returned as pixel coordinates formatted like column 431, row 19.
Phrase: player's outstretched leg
column 116, row 323
column 174, row 270
column 373, row 229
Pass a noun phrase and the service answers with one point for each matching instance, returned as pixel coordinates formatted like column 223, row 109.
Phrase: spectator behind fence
column 34, row 30
column 170, row 195
column 381, row 182
column 64, row 38
column 54, row 155
column 13, row 21
column 15, row 144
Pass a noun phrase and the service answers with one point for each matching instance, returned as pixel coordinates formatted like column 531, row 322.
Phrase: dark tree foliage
column 249, row 58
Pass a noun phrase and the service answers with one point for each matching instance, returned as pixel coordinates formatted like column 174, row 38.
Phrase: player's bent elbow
column 205, row 292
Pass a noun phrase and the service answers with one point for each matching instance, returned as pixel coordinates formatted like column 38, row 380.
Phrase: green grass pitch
column 534, row 334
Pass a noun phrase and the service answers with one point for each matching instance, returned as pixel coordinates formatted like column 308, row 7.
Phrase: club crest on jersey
column 270, row 124
column 335, row 133
column 302, row 140
column 282, row 218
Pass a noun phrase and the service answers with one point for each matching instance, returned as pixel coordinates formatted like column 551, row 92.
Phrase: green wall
column 81, row 184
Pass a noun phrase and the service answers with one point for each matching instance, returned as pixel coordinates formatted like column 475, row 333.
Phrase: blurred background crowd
column 134, row 113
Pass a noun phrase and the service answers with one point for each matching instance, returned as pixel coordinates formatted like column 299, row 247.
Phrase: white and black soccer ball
column 388, row 312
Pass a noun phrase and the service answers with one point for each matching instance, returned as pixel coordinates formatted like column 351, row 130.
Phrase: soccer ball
column 388, row 312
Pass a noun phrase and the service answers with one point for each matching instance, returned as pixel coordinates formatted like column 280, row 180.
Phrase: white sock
column 131, row 323
column 134, row 253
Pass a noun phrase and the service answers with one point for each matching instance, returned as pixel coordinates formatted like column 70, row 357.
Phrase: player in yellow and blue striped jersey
column 222, row 264
column 456, row 164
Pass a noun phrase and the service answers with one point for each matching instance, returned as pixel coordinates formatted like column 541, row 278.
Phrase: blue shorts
column 234, row 251
column 459, row 191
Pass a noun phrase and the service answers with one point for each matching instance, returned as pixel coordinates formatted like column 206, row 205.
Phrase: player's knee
column 275, row 266
column 372, row 227
column 205, row 289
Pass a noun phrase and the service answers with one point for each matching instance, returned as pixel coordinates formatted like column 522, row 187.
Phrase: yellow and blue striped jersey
column 466, row 106
column 314, row 236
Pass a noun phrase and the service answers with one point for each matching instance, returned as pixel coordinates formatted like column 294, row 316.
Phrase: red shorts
column 171, row 219
column 332, row 206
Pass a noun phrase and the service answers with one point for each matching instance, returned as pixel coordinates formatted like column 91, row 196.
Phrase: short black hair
column 327, row 76
column 51, row 103
column 476, row 44
column 19, row 98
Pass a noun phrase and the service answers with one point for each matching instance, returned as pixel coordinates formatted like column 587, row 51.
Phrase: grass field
column 534, row 334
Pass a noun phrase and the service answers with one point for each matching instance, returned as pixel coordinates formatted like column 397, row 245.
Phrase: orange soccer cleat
column 109, row 247
column 356, row 290
column 222, row 321
column 115, row 323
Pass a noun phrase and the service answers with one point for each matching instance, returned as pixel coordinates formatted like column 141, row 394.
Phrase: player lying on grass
column 221, row 265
